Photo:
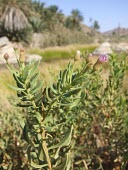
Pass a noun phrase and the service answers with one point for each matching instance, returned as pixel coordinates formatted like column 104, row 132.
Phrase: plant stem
column 46, row 150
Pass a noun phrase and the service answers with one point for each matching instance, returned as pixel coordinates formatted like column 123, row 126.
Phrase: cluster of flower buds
column 21, row 55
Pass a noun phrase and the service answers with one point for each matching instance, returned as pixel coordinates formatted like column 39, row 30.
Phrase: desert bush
column 76, row 122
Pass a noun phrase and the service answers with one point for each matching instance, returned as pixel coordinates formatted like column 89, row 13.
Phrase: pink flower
column 103, row 57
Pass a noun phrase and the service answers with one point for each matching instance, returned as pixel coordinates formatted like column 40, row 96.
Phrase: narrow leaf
column 65, row 141
column 16, row 88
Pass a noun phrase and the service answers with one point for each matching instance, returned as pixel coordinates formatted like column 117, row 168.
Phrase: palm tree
column 52, row 17
column 13, row 16
column 14, row 19
column 38, row 7
column 74, row 20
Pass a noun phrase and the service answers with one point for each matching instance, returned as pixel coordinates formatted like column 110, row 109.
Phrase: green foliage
column 49, row 54
column 37, row 24
column 27, row 16
column 74, row 20
column 96, row 25
column 77, row 122
column 23, row 35
column 40, row 104
column 18, row 27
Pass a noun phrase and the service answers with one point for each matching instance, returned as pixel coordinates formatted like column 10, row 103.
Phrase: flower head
column 103, row 57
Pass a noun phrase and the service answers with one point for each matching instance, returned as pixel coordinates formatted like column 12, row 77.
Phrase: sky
column 109, row 13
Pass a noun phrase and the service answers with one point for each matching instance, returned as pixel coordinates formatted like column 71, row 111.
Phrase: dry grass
column 50, row 70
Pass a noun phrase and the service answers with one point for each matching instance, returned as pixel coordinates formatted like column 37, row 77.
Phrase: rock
column 120, row 47
column 37, row 40
column 8, row 47
column 4, row 41
column 31, row 57
column 104, row 48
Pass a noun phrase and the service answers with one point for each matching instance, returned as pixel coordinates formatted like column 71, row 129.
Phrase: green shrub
column 76, row 122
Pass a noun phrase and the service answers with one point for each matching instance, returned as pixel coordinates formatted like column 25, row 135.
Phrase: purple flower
column 103, row 57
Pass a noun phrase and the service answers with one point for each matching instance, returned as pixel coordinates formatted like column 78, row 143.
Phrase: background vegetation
column 20, row 20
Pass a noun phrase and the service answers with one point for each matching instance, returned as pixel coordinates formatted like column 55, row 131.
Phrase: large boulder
column 31, row 57
column 104, row 48
column 8, row 47
column 120, row 47
column 37, row 40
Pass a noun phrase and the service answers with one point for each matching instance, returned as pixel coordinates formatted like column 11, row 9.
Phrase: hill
column 118, row 34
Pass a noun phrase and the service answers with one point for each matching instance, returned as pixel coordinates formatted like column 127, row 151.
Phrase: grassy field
column 64, row 52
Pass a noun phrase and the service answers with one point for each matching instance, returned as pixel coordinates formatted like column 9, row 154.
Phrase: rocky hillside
column 117, row 35
column 120, row 31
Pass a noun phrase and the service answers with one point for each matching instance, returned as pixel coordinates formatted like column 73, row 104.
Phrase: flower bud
column 22, row 56
column 88, row 58
column 6, row 56
column 77, row 56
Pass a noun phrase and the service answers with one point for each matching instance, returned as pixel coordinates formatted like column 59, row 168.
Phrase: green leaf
column 64, row 76
column 78, row 80
column 32, row 163
column 33, row 69
column 47, row 95
column 24, row 105
column 25, row 134
column 18, row 81
column 11, row 68
column 75, row 103
column 34, row 78
column 48, row 119
column 37, row 87
column 64, row 164
column 25, row 72
column 52, row 88
column 38, row 96
column 65, row 141
column 38, row 117
column 16, row 88
column 22, row 122
column 41, row 154
column 72, row 91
